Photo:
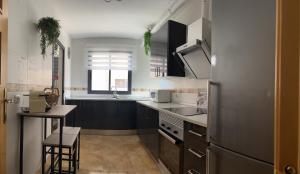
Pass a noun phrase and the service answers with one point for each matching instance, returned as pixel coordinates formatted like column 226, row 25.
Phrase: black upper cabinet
column 177, row 37
column 168, row 38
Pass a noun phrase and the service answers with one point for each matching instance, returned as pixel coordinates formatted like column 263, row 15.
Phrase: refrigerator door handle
column 207, row 160
column 213, row 102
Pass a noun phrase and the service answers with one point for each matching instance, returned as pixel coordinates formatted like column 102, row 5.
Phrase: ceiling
column 97, row 18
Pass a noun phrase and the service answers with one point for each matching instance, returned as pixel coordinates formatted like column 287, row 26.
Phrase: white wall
column 187, row 14
column 27, row 69
column 79, row 71
column 192, row 10
column 141, row 72
column 142, row 78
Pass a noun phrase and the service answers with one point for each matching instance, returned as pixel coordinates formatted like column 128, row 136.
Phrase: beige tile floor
column 115, row 155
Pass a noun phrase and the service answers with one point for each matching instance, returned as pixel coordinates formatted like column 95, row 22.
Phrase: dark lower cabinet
column 193, row 163
column 170, row 153
column 103, row 114
column 126, row 115
column 70, row 119
column 195, row 146
column 147, row 128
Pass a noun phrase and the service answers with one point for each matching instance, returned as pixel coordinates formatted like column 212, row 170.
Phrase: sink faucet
column 115, row 93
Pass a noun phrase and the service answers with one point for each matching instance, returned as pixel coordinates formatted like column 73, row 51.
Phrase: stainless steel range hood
column 196, row 53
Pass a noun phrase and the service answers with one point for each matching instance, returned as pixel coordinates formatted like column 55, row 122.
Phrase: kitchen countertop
column 200, row 120
column 121, row 98
column 58, row 111
column 196, row 119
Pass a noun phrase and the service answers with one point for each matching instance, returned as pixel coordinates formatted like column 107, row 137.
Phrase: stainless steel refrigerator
column 241, row 94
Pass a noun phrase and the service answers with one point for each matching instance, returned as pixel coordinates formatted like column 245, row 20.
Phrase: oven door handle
column 172, row 140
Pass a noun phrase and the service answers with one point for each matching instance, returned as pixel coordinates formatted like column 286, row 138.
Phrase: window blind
column 158, row 62
column 100, row 60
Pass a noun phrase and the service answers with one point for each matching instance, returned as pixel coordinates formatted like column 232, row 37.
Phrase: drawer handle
column 195, row 133
column 196, row 154
column 192, row 171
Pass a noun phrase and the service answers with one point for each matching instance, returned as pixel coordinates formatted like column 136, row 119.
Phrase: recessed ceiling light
column 111, row 0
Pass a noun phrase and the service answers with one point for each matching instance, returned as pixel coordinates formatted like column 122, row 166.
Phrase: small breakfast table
column 57, row 112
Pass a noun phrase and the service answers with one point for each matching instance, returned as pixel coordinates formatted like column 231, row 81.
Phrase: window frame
column 110, row 91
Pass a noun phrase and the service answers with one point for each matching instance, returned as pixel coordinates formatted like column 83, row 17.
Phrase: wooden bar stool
column 73, row 131
column 52, row 142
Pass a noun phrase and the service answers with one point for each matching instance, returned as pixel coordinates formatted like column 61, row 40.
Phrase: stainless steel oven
column 171, row 142
column 170, row 152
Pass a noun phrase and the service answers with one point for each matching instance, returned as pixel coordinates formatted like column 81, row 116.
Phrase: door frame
column 63, row 71
column 287, row 85
column 54, row 125
column 3, row 77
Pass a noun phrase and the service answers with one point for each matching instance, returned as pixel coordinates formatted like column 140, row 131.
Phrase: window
column 109, row 72
column 158, row 66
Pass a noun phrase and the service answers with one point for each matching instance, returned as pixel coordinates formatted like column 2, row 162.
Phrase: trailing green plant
column 147, row 41
column 49, row 29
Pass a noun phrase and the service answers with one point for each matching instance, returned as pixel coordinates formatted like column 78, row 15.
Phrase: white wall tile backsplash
column 32, row 142
column 185, row 98
column 192, row 99
column 26, row 66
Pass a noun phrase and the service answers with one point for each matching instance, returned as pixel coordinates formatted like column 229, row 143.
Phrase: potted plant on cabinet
column 147, row 40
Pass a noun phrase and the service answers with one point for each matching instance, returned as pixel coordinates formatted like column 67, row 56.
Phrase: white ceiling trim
column 172, row 9
column 124, row 19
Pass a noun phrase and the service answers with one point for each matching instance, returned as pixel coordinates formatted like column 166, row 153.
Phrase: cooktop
column 187, row 111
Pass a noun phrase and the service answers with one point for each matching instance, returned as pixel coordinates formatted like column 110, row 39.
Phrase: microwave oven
column 160, row 96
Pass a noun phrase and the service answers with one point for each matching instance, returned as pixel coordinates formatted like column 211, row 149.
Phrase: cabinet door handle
column 195, row 133
column 192, row 171
column 196, row 154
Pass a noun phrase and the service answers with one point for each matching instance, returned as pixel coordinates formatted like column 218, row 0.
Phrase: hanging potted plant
column 147, row 40
column 49, row 29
